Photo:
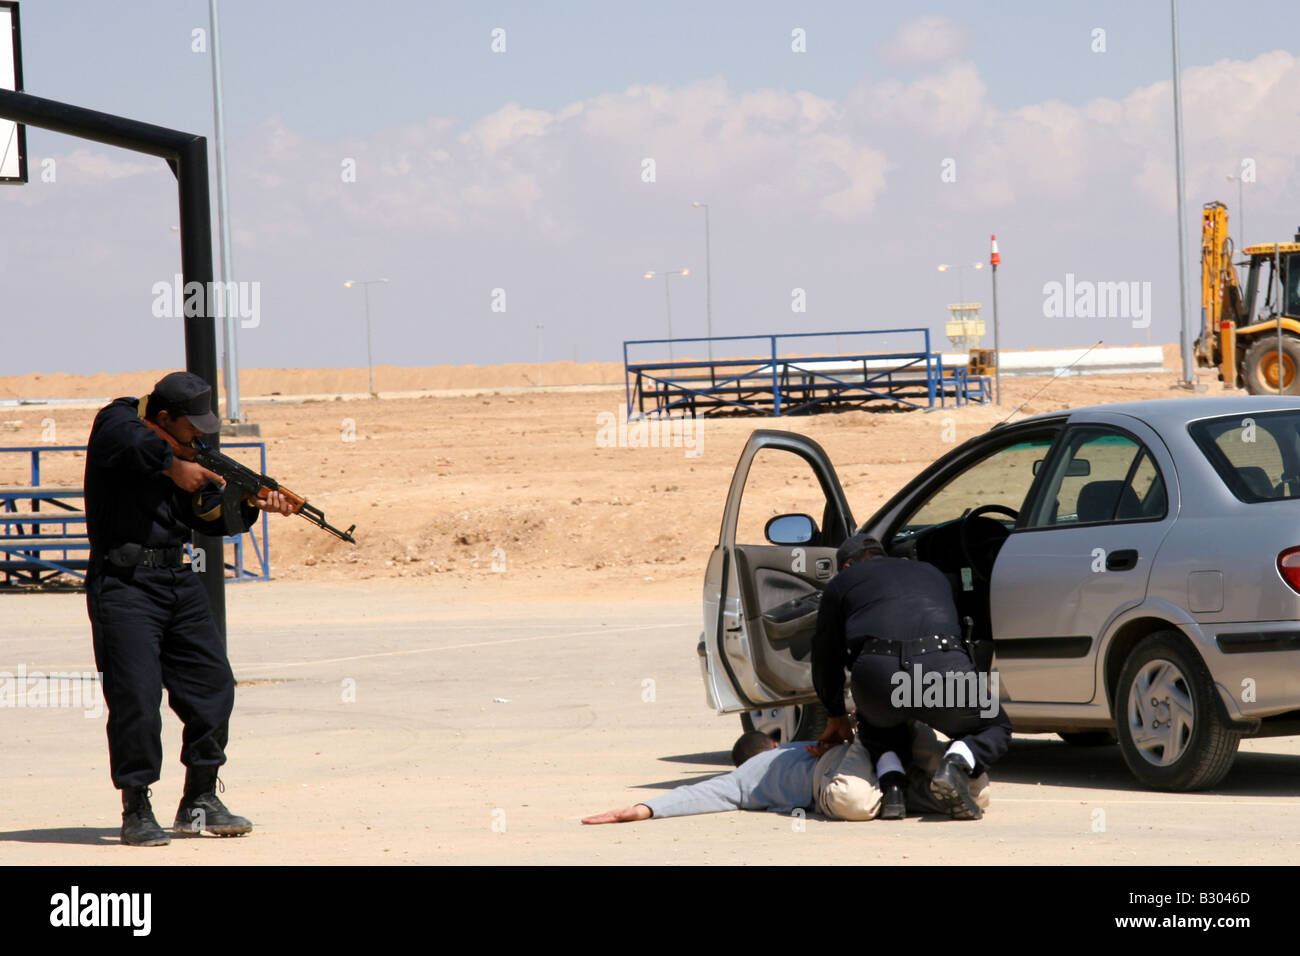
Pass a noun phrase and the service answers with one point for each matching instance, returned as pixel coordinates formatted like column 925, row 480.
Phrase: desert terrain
column 491, row 709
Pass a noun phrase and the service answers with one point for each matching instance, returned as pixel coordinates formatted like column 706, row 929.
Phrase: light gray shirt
column 780, row 780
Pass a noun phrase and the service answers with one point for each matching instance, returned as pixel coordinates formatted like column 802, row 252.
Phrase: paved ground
column 481, row 732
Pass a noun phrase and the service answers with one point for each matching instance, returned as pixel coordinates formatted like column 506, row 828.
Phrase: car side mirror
column 791, row 529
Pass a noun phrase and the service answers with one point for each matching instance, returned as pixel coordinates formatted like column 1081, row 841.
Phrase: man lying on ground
column 838, row 782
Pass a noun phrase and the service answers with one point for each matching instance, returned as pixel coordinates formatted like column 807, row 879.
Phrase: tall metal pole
column 708, row 280
column 1241, row 216
column 995, row 260
column 370, row 362
column 230, row 358
column 668, row 300
column 539, row 355
column 1185, row 340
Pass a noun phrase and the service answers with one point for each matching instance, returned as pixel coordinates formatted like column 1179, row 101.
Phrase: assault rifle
column 244, row 483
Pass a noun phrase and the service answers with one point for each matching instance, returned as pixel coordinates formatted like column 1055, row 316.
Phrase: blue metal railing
column 30, row 549
column 797, row 383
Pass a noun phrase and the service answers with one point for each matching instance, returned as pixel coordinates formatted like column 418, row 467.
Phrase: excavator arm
column 1222, row 303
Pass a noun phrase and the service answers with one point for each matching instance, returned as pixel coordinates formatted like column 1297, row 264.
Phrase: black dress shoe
column 139, row 825
column 950, row 787
column 892, row 804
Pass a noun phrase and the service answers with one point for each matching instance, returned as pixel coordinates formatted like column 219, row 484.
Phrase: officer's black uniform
column 149, row 613
column 905, row 610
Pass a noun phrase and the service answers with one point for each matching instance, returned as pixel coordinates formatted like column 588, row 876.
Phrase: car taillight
column 1288, row 564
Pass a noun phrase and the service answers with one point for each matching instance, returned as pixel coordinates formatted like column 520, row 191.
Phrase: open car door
column 785, row 517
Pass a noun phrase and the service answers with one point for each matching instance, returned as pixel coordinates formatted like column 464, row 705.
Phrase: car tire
column 1259, row 365
column 1089, row 738
column 1171, row 729
column 803, row 721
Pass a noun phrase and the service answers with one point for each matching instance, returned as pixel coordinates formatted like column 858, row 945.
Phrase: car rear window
column 1257, row 456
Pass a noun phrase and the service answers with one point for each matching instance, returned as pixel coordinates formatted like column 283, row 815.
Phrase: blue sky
column 522, row 170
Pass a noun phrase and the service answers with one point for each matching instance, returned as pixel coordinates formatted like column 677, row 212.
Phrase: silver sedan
column 1136, row 566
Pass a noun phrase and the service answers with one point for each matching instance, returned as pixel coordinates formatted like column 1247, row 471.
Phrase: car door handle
column 1124, row 560
column 823, row 567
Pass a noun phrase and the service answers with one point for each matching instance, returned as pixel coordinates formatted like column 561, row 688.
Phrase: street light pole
column 230, row 361
column 994, row 261
column 1241, row 213
column 961, row 293
column 1185, row 341
column 708, row 275
column 668, row 301
column 370, row 362
column 539, row 354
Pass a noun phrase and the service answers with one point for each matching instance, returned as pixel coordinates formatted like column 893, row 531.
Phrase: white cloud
column 925, row 39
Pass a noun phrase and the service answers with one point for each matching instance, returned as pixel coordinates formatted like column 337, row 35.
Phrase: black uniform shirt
column 889, row 598
column 129, row 499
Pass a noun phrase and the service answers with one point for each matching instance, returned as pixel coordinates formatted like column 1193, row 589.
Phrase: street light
column 1241, row 213
column 708, row 274
column 944, row 267
column 370, row 363
column 668, row 301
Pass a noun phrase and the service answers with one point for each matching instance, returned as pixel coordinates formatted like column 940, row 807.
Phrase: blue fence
column 47, row 539
column 779, row 382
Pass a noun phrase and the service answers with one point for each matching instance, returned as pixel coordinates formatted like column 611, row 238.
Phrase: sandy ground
column 516, row 698
column 527, row 715
column 436, row 484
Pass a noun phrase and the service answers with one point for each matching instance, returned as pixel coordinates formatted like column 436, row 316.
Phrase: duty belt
column 136, row 556
column 931, row 644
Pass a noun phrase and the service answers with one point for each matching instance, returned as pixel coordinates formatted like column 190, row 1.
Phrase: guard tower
column 965, row 329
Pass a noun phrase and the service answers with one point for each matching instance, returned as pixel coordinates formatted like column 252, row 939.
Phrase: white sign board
column 13, row 137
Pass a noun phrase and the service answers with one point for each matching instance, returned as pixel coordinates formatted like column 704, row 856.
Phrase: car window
column 1101, row 476
column 781, row 482
column 1257, row 456
column 1001, row 478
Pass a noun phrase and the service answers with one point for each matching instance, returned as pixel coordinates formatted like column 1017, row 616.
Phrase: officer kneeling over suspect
column 837, row 782
column 149, row 613
column 893, row 622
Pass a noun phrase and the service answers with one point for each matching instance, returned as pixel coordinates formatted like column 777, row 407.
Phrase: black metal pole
column 187, row 154
column 200, row 335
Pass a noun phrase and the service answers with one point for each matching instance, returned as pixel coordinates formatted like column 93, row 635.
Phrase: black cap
column 856, row 546
column 184, row 393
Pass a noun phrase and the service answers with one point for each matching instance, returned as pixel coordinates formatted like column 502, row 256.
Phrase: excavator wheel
column 1260, row 366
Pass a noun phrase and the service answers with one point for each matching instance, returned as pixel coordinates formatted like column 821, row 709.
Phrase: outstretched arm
column 626, row 815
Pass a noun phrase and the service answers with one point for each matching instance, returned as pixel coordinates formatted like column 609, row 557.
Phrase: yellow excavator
column 1257, row 350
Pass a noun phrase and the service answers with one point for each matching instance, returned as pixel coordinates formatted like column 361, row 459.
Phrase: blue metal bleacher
column 43, row 527
column 780, row 382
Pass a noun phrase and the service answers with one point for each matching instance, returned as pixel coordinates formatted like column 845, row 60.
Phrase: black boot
column 139, row 825
column 950, row 787
column 201, row 809
column 892, row 804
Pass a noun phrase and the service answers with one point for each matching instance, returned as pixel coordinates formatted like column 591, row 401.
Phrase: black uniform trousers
column 883, row 726
column 152, row 629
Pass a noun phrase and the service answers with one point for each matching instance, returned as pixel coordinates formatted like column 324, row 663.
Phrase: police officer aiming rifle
column 149, row 613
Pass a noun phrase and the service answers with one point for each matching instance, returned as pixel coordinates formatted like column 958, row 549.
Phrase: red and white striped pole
column 995, row 260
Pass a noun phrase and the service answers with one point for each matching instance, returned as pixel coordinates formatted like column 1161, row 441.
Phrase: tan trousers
column 845, row 785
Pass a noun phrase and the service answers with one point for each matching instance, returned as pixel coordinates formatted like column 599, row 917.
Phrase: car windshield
column 1257, row 456
column 1001, row 478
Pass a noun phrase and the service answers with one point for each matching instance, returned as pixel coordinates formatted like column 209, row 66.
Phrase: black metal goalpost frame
column 187, row 155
